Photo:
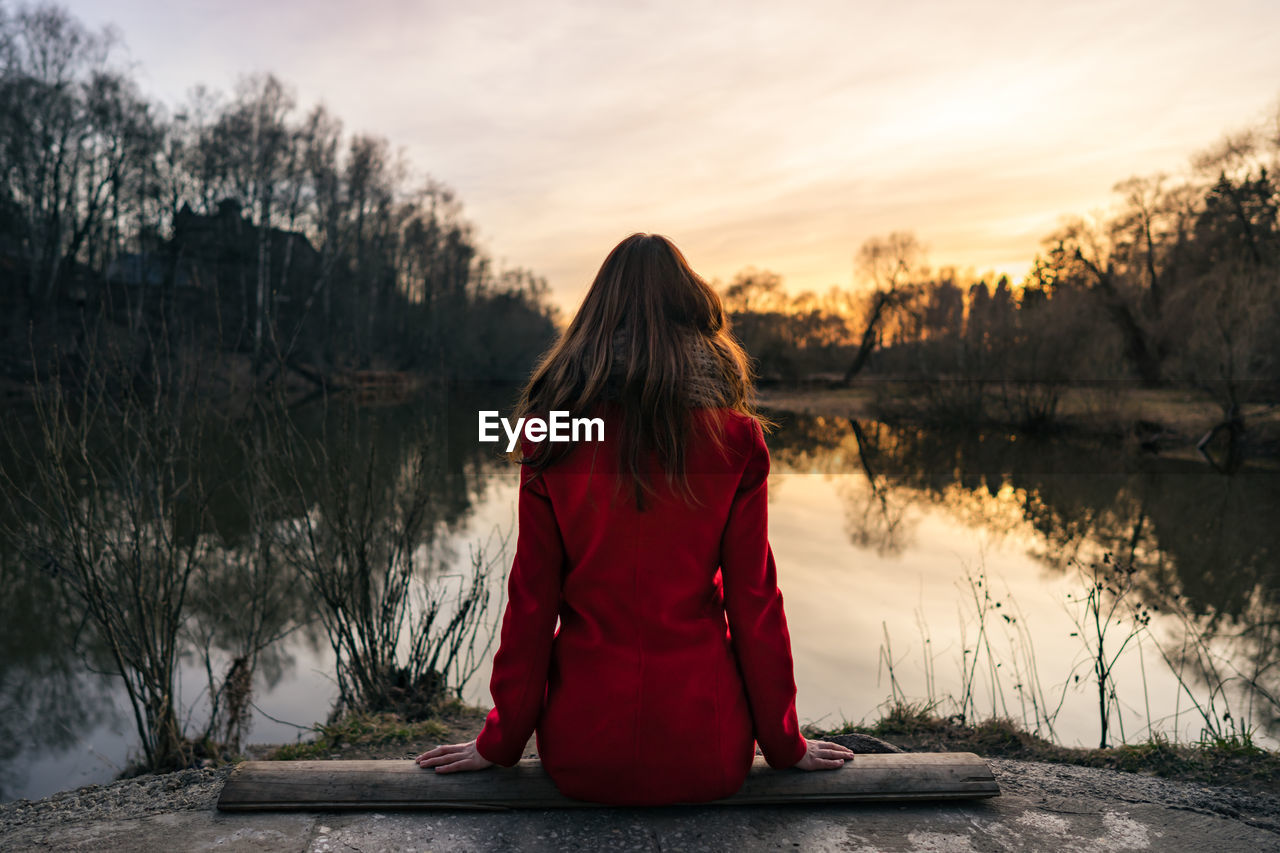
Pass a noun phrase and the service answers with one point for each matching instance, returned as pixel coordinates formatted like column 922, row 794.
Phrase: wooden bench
column 401, row 784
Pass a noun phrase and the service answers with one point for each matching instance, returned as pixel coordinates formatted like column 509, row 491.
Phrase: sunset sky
column 766, row 134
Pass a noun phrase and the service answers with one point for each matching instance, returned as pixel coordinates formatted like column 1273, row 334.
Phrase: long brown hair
column 646, row 287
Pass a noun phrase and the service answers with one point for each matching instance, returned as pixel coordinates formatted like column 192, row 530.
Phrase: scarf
column 704, row 381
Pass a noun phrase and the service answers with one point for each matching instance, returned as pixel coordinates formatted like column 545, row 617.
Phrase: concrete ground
column 1043, row 808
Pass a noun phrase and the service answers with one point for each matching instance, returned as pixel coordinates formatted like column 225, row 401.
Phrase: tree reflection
column 47, row 697
column 1203, row 544
column 875, row 514
column 246, row 595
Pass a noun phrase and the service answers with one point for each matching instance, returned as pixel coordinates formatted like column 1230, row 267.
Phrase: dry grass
column 365, row 736
column 1234, row 762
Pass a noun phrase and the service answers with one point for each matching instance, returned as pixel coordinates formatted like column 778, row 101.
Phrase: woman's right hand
column 824, row 755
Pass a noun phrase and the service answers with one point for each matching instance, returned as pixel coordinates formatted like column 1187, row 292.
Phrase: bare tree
column 888, row 263
column 247, row 599
column 363, row 541
column 1084, row 255
column 71, row 132
column 754, row 291
column 117, row 502
column 1230, row 352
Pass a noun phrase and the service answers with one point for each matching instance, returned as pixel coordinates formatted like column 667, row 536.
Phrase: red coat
column 643, row 696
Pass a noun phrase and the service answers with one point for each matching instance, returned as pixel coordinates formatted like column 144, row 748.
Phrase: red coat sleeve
column 519, row 680
column 757, row 622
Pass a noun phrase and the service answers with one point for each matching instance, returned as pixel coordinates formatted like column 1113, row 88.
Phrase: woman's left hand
column 454, row 758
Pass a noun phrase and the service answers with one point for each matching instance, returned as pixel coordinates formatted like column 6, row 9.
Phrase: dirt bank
column 1168, row 419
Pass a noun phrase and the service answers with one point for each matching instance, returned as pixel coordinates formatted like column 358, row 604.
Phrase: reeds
column 1112, row 622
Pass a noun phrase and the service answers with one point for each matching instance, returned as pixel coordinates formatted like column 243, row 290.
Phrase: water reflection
column 873, row 524
column 247, row 598
column 48, row 694
column 1203, row 544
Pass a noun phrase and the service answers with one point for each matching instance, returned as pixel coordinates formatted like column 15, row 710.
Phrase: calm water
column 956, row 558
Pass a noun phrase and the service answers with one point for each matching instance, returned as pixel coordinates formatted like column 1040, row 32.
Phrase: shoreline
column 1168, row 421
column 1237, row 767
column 1236, row 764
column 1040, row 806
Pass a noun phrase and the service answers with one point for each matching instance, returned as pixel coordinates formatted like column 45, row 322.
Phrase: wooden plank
column 401, row 784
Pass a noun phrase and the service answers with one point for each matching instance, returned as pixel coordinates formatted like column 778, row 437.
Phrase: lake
column 923, row 565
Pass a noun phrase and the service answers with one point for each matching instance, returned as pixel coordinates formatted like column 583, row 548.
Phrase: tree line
column 1179, row 283
column 242, row 220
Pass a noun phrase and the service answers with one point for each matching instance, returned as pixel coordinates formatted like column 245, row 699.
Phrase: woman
column 672, row 657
